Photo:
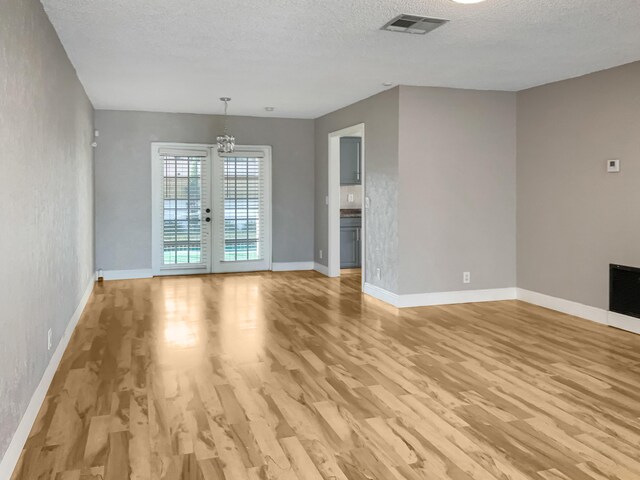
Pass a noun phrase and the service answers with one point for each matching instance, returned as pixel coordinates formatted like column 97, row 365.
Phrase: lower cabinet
column 350, row 242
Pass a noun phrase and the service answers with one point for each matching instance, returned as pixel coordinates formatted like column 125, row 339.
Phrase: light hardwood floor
column 297, row 376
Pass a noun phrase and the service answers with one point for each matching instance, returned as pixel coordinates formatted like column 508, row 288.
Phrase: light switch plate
column 367, row 202
column 350, row 198
column 613, row 166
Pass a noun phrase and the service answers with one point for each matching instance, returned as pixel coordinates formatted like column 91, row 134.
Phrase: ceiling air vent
column 413, row 24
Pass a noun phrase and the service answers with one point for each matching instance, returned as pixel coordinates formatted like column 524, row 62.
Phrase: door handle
column 208, row 210
column 358, row 160
column 208, row 219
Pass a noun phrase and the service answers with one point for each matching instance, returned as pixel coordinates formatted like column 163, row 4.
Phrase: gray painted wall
column 46, row 127
column 380, row 116
column 457, row 195
column 123, row 179
column 573, row 217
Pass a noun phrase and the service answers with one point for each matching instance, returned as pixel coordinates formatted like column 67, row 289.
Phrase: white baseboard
column 323, row 269
column 625, row 322
column 12, row 455
column 148, row 273
column 463, row 296
column 127, row 274
column 569, row 307
column 440, row 298
column 382, row 294
column 291, row 266
column 576, row 309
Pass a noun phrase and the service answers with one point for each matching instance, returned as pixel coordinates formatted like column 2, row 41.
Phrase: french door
column 211, row 212
column 241, row 215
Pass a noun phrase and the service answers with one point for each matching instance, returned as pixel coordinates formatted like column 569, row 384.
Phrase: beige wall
column 46, row 128
column 574, row 219
column 123, row 179
column 457, row 192
column 380, row 116
column 440, row 172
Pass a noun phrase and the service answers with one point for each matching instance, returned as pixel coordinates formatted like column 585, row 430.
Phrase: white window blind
column 243, row 199
column 183, row 239
column 182, row 152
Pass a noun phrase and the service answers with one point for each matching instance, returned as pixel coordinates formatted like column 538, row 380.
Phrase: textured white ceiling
column 310, row 57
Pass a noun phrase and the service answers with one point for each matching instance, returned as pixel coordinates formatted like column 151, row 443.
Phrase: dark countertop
column 350, row 213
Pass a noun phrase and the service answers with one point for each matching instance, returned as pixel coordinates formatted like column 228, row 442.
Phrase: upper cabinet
column 350, row 161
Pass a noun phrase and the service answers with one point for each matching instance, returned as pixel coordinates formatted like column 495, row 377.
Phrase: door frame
column 156, row 205
column 333, row 199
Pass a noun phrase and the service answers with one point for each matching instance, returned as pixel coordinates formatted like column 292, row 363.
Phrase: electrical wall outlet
column 466, row 277
column 378, row 274
column 49, row 340
column 320, row 253
column 613, row 165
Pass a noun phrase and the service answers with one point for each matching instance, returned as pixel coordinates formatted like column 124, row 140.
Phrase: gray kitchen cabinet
column 350, row 229
column 350, row 160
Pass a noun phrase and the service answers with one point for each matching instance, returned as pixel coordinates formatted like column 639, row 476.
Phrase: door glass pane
column 243, row 191
column 182, row 227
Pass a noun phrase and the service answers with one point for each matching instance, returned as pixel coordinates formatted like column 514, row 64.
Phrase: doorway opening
column 347, row 201
column 211, row 211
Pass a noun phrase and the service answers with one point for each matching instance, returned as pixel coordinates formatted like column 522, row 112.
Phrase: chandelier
column 226, row 142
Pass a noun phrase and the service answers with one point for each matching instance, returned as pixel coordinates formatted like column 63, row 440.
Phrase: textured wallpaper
column 382, row 230
column 379, row 114
column 46, row 128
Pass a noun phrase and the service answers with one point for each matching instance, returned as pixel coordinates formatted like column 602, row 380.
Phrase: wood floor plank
column 296, row 376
